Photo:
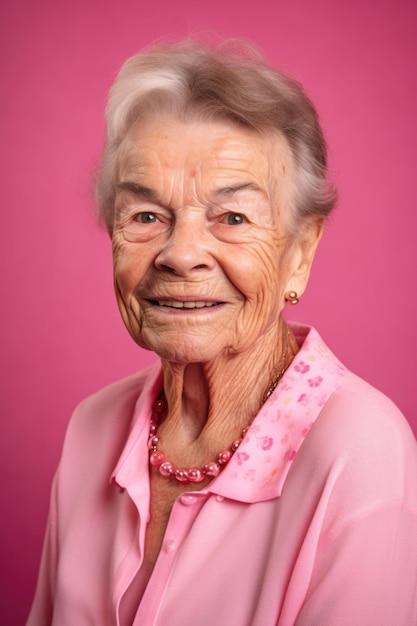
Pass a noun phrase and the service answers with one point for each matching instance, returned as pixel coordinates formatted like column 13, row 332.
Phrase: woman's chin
column 184, row 350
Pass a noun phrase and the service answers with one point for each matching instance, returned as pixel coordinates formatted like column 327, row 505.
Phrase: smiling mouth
column 178, row 304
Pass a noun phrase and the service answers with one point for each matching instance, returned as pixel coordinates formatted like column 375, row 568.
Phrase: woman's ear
column 304, row 249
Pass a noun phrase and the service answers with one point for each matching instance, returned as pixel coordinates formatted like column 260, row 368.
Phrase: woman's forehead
column 212, row 150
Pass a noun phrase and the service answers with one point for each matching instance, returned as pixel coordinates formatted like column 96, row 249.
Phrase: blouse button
column 219, row 498
column 170, row 545
column 188, row 499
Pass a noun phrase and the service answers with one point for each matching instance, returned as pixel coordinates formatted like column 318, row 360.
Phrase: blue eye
column 234, row 219
column 146, row 217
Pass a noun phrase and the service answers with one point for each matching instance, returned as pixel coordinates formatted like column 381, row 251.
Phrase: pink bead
column 211, row 469
column 153, row 428
column 224, row 457
column 159, row 406
column 235, row 445
column 156, row 458
column 153, row 441
column 181, row 474
column 167, row 468
column 195, row 475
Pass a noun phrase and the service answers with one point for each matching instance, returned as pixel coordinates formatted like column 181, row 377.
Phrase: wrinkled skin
column 200, row 217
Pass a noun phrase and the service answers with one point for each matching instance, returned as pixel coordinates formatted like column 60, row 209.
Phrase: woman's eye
column 146, row 217
column 234, row 219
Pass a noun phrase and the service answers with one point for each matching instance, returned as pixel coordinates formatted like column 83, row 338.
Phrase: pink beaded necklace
column 213, row 468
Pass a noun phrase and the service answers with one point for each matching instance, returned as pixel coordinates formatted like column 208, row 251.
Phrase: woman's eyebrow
column 229, row 190
column 138, row 190
column 150, row 194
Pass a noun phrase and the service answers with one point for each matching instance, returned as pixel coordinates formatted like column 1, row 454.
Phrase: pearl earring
column 292, row 297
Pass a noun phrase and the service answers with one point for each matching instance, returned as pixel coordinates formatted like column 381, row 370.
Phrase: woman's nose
column 186, row 249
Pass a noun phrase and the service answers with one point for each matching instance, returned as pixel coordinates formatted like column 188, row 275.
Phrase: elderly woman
column 248, row 478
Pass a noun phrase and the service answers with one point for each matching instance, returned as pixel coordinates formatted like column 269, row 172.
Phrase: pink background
column 61, row 333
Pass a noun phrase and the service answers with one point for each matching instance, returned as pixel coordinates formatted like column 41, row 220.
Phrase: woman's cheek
column 256, row 273
column 127, row 264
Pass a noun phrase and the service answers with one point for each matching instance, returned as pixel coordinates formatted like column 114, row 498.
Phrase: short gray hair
column 232, row 82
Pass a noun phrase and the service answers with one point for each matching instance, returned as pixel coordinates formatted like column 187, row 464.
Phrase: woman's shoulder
column 359, row 432
column 363, row 438
column 363, row 412
column 354, row 403
column 112, row 408
column 356, row 396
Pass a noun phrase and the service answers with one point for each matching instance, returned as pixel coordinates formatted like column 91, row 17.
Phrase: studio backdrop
column 62, row 336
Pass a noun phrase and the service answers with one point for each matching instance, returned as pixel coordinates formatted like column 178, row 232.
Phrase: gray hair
column 232, row 82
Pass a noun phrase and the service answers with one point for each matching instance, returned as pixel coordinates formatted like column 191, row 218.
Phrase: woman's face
column 201, row 256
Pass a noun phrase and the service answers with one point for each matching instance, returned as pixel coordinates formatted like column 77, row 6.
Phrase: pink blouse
column 313, row 521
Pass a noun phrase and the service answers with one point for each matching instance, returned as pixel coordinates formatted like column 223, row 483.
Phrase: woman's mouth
column 180, row 304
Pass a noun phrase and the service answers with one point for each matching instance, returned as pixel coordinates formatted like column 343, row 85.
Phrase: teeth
column 176, row 304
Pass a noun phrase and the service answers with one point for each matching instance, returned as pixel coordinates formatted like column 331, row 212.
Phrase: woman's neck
column 209, row 404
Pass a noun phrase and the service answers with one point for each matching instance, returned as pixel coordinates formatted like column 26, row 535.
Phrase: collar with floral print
column 258, row 469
